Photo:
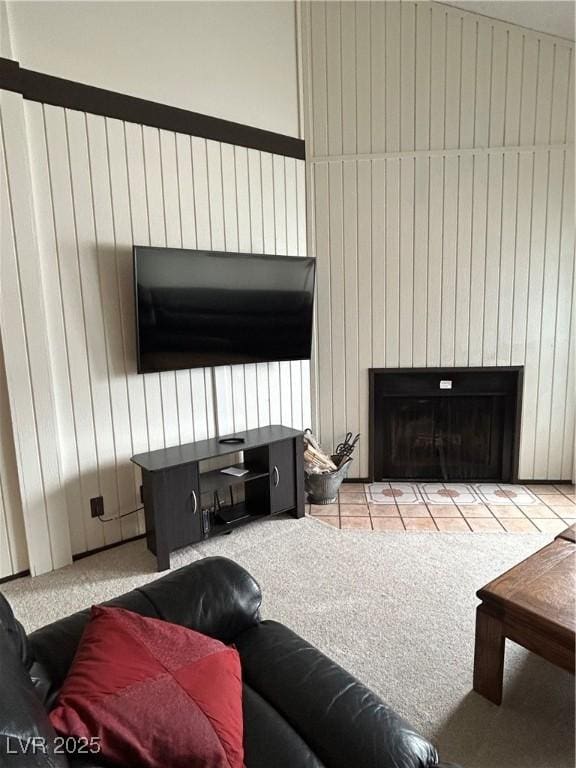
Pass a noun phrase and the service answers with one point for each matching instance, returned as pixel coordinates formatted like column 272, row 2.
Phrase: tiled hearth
column 451, row 507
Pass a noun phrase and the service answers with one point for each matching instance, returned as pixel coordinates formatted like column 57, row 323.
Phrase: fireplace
column 445, row 423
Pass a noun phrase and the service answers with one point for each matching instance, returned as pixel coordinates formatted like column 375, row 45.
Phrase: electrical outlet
column 97, row 506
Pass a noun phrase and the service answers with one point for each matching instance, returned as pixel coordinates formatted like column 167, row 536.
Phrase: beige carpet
column 397, row 610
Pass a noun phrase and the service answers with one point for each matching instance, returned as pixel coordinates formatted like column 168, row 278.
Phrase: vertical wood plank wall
column 441, row 183
column 13, row 550
column 27, row 362
column 99, row 185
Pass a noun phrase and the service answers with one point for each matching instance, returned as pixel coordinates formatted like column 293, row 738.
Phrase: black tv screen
column 205, row 308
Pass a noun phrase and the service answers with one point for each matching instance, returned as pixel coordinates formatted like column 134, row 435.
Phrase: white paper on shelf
column 236, row 471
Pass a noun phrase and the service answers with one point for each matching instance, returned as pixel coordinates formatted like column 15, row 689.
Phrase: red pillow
column 154, row 694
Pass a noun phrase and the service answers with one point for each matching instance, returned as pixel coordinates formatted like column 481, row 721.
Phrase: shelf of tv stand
column 220, row 526
column 216, row 480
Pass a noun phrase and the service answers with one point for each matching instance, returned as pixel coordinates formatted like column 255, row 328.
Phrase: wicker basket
column 323, row 489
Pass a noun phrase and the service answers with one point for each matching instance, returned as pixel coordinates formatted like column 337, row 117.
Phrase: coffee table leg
column 488, row 655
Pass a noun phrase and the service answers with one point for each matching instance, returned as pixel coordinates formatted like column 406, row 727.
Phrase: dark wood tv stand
column 175, row 489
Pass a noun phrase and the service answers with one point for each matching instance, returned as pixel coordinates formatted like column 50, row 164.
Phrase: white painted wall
column 235, row 60
column 5, row 43
column 77, row 191
column 441, row 178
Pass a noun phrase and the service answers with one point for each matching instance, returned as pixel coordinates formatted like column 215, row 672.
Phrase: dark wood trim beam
column 59, row 92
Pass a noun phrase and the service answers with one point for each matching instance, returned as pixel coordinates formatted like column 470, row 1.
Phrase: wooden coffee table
column 533, row 605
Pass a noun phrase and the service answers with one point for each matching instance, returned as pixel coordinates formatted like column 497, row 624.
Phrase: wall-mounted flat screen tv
column 203, row 308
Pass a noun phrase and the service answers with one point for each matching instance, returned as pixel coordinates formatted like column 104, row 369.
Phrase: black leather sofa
column 301, row 710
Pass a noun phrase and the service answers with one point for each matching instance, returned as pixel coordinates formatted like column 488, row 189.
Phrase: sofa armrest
column 215, row 596
column 342, row 721
column 13, row 630
column 26, row 734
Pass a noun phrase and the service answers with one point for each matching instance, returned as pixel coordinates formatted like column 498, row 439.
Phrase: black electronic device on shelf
column 174, row 487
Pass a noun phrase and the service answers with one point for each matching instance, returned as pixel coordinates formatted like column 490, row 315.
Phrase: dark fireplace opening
column 445, row 424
